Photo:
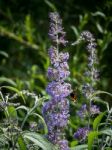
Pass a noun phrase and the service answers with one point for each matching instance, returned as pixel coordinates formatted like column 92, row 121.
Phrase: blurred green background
column 24, row 44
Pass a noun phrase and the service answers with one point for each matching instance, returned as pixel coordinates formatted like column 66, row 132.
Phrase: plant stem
column 28, row 114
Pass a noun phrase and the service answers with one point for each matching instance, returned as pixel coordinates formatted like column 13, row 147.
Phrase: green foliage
column 24, row 61
column 7, row 80
column 15, row 90
column 91, row 136
column 51, row 5
column 39, row 140
column 98, row 120
column 80, row 147
column 4, row 54
column 21, row 143
column 13, row 129
column 107, row 132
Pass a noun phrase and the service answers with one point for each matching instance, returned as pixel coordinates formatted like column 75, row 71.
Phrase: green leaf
column 73, row 143
column 28, row 27
column 101, row 101
column 107, row 132
column 15, row 90
column 80, row 147
column 99, row 27
column 51, row 5
column 98, row 120
column 22, row 107
column 91, row 136
column 108, row 148
column 3, row 139
column 83, row 20
column 101, row 92
column 98, row 13
column 21, row 143
column 39, row 140
column 12, row 111
column 45, row 127
column 4, row 54
column 4, row 79
column 75, row 30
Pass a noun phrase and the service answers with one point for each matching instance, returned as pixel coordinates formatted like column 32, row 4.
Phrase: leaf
column 21, row 143
column 73, row 143
column 22, row 107
column 101, row 101
column 101, row 92
column 98, row 13
column 45, row 127
column 15, row 90
column 98, row 120
column 4, row 54
column 4, row 79
column 39, row 140
column 3, row 139
column 51, row 5
column 75, row 31
column 80, row 147
column 91, row 136
column 12, row 112
column 99, row 27
column 28, row 27
column 107, row 132
column 83, row 20
column 106, row 41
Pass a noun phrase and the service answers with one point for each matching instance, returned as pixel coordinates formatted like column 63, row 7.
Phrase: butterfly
column 73, row 96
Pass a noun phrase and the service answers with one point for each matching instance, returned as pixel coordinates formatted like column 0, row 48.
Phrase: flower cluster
column 83, row 112
column 81, row 133
column 56, row 110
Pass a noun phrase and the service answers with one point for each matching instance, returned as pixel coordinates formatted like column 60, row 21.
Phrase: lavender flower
column 94, row 109
column 83, row 112
column 33, row 126
column 81, row 133
column 88, row 88
column 56, row 110
column 4, row 104
column 63, row 144
column 56, row 32
column 92, row 73
column 58, row 89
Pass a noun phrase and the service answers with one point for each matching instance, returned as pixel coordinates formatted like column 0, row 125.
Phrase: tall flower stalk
column 88, row 88
column 56, row 110
column 92, row 73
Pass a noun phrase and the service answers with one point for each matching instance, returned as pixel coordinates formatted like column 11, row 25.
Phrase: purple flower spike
column 64, row 145
column 56, row 32
column 94, row 109
column 58, row 74
column 81, row 133
column 53, row 54
column 56, row 110
column 58, row 89
column 83, row 111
